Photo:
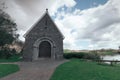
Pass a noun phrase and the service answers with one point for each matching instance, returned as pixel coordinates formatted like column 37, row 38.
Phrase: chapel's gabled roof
column 46, row 13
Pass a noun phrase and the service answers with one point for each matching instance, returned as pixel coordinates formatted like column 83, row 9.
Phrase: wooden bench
column 111, row 61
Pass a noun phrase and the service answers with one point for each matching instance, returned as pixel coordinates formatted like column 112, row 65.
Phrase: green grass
column 14, row 58
column 83, row 70
column 6, row 69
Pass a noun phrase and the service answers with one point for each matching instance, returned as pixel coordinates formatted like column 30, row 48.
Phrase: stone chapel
column 43, row 40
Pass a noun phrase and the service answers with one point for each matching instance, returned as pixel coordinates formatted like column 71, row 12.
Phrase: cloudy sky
column 86, row 24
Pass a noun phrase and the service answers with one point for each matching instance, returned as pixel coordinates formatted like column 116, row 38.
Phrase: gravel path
column 38, row 70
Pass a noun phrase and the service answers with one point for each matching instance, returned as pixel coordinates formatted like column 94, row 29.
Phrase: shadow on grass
column 14, row 58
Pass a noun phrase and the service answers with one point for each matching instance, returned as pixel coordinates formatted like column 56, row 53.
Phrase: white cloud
column 100, row 25
column 27, row 12
column 61, row 3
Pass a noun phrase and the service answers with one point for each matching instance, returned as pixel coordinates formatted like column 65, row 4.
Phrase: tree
column 119, row 47
column 8, row 34
column 7, row 30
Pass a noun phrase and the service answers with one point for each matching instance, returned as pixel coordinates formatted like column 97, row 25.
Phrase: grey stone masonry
column 44, row 30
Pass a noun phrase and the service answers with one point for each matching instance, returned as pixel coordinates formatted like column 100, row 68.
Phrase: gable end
column 46, row 13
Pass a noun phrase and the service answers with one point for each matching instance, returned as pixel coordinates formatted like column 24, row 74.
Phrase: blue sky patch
column 86, row 4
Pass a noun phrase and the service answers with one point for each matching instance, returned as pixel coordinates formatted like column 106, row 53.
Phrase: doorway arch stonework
column 36, row 47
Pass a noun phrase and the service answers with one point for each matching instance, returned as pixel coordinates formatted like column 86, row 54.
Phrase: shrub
column 6, row 53
column 73, row 55
column 91, row 56
column 82, row 55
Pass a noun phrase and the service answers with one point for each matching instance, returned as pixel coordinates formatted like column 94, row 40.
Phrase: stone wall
column 45, row 29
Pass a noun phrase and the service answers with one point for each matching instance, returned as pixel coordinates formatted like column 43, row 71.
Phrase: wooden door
column 45, row 49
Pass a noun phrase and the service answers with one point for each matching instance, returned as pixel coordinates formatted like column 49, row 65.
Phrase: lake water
column 114, row 57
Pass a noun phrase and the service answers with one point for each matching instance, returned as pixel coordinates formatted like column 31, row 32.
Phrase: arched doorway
column 45, row 49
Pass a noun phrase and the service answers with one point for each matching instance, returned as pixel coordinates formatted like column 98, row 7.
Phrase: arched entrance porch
column 40, row 46
column 44, row 50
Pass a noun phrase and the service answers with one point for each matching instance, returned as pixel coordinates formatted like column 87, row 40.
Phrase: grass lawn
column 14, row 58
column 83, row 70
column 6, row 69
